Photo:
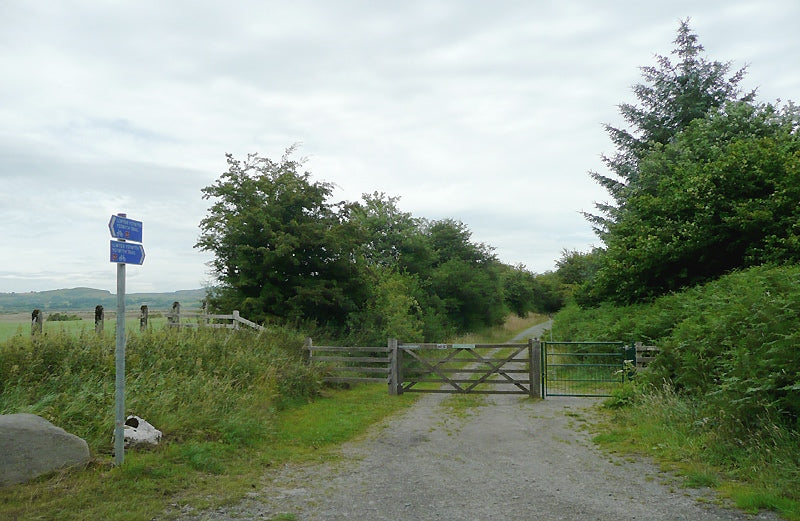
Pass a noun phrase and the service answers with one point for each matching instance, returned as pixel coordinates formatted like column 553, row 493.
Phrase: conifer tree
column 671, row 96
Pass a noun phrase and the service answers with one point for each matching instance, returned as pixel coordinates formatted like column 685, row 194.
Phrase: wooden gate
column 468, row 368
column 537, row 369
column 436, row 368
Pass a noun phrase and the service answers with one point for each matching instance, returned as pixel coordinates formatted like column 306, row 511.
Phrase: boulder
column 31, row 446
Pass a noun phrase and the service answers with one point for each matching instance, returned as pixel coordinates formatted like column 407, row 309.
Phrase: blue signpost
column 124, row 228
column 122, row 253
column 127, row 252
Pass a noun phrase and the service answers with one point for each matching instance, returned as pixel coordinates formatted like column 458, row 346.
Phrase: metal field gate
column 585, row 368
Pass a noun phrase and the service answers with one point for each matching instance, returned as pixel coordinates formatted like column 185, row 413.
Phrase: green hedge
column 734, row 343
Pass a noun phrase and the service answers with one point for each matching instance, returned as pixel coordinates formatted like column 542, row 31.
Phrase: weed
column 463, row 405
column 695, row 478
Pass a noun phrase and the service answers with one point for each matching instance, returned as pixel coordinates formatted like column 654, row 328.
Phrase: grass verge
column 755, row 474
column 160, row 483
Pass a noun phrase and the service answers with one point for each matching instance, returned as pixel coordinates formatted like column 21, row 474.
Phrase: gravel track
column 510, row 458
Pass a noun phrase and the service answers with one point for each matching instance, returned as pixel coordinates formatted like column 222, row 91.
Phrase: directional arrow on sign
column 127, row 253
column 124, row 228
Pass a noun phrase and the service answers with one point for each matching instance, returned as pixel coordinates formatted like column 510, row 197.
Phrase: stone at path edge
column 31, row 446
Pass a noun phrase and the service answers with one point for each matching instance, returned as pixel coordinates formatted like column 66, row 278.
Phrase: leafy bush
column 62, row 317
column 732, row 341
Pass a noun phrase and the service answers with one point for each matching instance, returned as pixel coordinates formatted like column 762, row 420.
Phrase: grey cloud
column 454, row 106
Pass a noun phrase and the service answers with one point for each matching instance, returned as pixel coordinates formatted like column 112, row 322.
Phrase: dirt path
column 512, row 458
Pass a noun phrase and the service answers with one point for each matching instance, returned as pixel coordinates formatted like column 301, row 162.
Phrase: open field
column 20, row 323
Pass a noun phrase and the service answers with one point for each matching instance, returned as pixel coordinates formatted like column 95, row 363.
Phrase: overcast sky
column 489, row 112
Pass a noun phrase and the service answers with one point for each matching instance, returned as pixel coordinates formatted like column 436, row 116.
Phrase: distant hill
column 85, row 299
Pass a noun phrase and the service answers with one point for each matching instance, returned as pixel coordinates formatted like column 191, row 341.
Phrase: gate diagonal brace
column 433, row 369
column 495, row 369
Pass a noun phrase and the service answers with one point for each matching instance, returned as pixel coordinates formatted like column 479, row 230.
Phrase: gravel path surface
column 536, row 331
column 510, row 458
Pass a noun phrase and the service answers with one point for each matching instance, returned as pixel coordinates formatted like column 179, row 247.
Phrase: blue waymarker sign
column 124, row 228
column 127, row 253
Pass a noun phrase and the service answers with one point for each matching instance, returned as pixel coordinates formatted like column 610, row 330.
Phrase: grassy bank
column 20, row 324
column 231, row 406
column 179, row 475
column 761, row 471
column 722, row 401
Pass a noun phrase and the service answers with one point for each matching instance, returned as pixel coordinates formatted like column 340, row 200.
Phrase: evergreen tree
column 671, row 96
column 721, row 196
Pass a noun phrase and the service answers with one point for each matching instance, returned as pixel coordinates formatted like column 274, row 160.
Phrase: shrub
column 732, row 342
column 62, row 317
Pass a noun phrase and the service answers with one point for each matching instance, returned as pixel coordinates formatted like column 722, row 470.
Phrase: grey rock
column 31, row 446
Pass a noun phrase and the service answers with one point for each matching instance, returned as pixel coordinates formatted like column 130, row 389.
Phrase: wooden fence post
column 644, row 355
column 144, row 314
column 395, row 383
column 307, row 345
column 535, row 367
column 399, row 364
column 174, row 317
column 235, row 319
column 99, row 319
column 37, row 318
column 204, row 319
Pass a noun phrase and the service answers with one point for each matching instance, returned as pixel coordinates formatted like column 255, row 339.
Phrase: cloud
column 487, row 112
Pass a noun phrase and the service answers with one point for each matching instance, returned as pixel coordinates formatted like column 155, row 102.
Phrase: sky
column 488, row 112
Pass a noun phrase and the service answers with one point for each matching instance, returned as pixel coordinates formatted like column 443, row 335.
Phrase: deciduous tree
column 281, row 249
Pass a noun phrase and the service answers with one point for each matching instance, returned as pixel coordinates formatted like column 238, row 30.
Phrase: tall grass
column 215, row 394
column 191, row 383
column 757, row 468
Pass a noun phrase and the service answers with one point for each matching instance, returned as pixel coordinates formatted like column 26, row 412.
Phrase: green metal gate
column 584, row 368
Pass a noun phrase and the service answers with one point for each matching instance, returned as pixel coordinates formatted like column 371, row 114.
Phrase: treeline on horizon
column 85, row 299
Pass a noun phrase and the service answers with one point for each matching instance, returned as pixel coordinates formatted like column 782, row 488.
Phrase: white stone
column 140, row 432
